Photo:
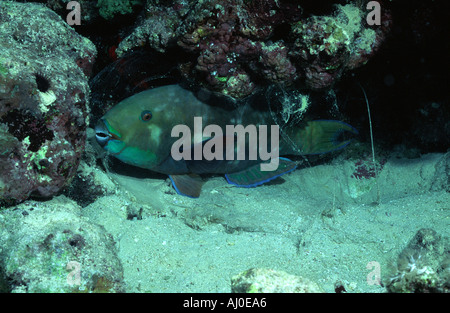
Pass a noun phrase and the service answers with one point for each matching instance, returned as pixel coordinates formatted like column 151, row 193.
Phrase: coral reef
column 423, row 266
column 327, row 46
column 365, row 169
column 44, row 69
column 231, row 44
column 50, row 247
column 238, row 45
column 109, row 8
column 91, row 10
column 267, row 280
column 90, row 182
column 157, row 29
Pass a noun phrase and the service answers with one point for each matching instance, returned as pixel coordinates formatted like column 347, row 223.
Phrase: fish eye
column 146, row 116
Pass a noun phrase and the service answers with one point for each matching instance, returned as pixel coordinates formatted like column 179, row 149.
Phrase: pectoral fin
column 253, row 176
column 189, row 185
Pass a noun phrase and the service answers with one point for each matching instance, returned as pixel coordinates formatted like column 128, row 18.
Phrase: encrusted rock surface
column 44, row 70
column 271, row 281
column 50, row 247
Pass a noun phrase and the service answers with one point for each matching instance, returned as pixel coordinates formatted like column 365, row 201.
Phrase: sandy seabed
column 319, row 222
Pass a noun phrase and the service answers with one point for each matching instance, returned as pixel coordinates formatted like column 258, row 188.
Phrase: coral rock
column 324, row 47
column 267, row 280
column 50, row 247
column 423, row 266
column 236, row 45
column 43, row 100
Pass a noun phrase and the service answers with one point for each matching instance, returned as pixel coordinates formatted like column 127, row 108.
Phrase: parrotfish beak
column 102, row 134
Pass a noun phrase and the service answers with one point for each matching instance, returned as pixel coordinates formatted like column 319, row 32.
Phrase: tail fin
column 323, row 136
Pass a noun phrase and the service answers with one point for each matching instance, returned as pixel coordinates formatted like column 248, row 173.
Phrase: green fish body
column 138, row 131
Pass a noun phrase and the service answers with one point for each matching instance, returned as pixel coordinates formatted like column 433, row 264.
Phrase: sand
column 319, row 222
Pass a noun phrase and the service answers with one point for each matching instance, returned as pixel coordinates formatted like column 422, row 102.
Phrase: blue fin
column 253, row 176
column 189, row 185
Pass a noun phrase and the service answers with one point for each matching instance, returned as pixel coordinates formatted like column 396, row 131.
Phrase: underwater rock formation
column 230, row 40
column 327, row 46
column 93, row 9
column 260, row 280
column 44, row 69
column 423, row 266
column 237, row 45
column 90, row 182
column 50, row 247
column 109, row 8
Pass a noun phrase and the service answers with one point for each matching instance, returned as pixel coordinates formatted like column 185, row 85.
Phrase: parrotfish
column 139, row 131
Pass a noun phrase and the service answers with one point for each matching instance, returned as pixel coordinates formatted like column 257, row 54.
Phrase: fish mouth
column 102, row 134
